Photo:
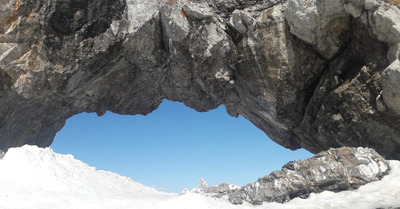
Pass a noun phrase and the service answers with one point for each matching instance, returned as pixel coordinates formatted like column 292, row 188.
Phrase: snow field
column 37, row 178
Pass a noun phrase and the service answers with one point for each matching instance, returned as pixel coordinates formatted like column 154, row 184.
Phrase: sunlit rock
column 307, row 73
column 335, row 170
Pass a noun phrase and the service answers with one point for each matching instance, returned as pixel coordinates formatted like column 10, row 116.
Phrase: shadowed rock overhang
column 311, row 74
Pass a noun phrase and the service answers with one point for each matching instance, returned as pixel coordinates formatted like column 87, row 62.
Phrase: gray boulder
column 391, row 86
column 336, row 170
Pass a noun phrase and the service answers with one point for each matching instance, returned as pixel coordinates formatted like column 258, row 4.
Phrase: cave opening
column 173, row 147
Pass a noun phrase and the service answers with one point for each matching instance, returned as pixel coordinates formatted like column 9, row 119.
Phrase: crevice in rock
column 352, row 71
column 69, row 16
column 96, row 28
column 353, row 67
column 74, row 24
column 163, row 40
column 5, row 81
column 234, row 35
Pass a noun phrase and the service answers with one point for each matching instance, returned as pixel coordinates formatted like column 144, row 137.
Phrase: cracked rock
column 290, row 67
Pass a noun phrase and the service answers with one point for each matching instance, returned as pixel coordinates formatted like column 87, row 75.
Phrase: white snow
column 32, row 177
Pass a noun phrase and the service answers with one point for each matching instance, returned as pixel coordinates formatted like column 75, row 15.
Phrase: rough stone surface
column 394, row 53
column 323, row 24
column 335, row 170
column 307, row 73
column 391, row 85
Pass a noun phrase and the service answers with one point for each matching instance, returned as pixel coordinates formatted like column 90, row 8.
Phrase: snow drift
column 33, row 177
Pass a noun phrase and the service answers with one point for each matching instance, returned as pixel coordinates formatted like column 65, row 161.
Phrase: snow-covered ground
column 37, row 178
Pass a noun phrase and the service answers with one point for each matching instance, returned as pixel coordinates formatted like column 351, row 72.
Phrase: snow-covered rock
column 201, row 187
column 335, row 170
column 212, row 191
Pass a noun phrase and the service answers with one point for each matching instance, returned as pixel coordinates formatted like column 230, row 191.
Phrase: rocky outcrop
column 335, row 170
column 311, row 74
column 216, row 191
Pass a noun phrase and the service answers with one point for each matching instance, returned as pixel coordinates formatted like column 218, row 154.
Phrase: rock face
column 311, row 74
column 335, row 170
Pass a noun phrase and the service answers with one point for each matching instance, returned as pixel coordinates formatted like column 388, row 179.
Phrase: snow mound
column 33, row 177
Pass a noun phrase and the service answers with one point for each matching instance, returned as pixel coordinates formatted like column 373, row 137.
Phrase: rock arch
column 314, row 75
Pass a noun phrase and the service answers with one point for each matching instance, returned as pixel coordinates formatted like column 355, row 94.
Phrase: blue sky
column 174, row 146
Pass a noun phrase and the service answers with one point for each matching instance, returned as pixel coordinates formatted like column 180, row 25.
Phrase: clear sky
column 174, row 146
